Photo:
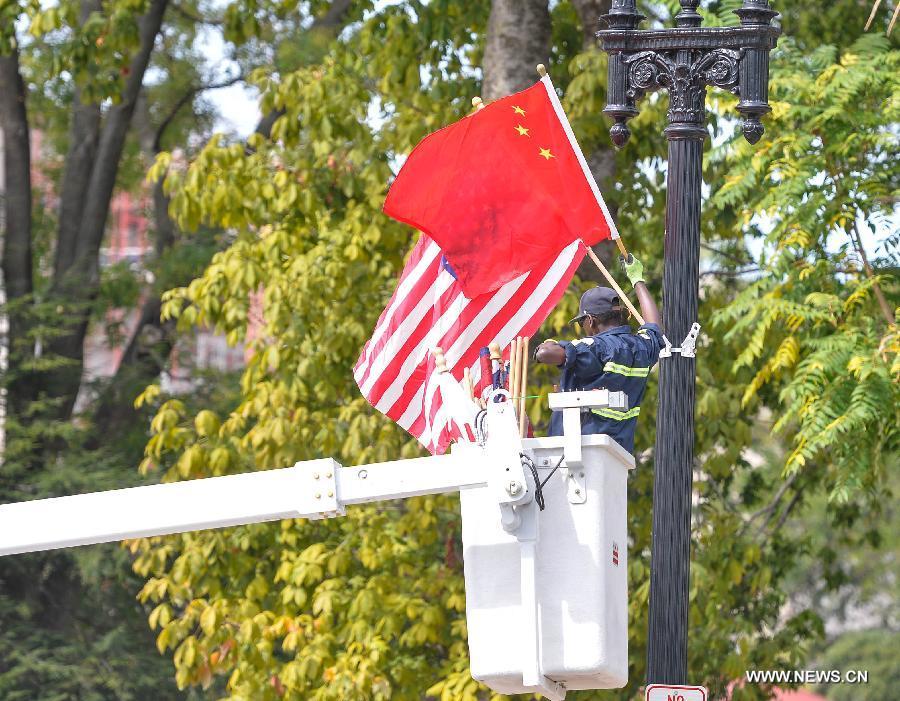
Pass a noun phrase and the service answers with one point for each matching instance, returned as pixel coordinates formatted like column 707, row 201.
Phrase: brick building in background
column 128, row 241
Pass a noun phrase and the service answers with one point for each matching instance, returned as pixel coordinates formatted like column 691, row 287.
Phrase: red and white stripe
column 427, row 310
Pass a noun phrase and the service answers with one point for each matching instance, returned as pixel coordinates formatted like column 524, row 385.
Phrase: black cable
column 538, row 491
column 480, row 418
column 547, row 478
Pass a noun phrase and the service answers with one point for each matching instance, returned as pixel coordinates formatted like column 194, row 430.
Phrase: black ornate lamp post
column 683, row 60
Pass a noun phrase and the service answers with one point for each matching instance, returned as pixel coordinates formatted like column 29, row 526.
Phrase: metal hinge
column 688, row 345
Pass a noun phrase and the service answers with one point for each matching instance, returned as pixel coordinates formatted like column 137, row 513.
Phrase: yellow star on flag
column 518, row 110
column 545, row 152
column 522, row 130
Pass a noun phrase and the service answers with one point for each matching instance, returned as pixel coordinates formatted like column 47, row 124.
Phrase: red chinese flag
column 502, row 191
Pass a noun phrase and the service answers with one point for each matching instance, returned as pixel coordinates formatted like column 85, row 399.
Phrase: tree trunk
column 602, row 160
column 77, row 287
column 17, row 256
column 17, row 167
column 590, row 12
column 84, row 132
column 109, row 152
column 151, row 342
column 143, row 360
column 518, row 38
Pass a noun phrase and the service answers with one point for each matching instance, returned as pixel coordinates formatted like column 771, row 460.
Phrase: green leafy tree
column 371, row 606
column 868, row 651
column 820, row 328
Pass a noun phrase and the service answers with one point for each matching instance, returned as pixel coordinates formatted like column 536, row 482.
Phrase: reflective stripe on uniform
column 625, row 370
column 617, row 415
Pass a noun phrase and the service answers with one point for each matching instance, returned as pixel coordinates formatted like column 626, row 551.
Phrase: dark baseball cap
column 596, row 302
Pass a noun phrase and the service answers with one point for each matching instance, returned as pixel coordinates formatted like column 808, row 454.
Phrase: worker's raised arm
column 648, row 306
column 634, row 269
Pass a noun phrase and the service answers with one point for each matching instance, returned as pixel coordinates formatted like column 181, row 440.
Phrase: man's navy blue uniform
column 617, row 360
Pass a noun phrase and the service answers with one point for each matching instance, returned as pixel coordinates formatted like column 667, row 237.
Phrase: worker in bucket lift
column 609, row 356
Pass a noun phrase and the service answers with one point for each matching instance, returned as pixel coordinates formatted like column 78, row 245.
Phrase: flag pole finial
column 542, row 70
column 477, row 102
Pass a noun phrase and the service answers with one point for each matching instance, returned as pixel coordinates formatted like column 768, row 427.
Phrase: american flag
column 395, row 371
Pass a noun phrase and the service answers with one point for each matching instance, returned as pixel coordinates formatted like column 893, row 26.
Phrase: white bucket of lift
column 581, row 574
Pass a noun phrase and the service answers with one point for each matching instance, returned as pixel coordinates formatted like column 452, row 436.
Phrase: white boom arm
column 311, row 489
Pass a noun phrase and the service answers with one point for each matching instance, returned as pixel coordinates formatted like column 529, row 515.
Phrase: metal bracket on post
column 572, row 435
column 576, row 485
column 688, row 346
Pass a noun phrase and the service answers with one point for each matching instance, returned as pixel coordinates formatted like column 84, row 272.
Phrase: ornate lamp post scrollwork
column 684, row 61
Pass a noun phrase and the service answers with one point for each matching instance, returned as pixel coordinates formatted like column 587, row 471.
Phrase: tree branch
column 729, row 273
column 188, row 14
column 185, row 99
column 772, row 505
column 112, row 141
column 785, row 513
column 334, row 20
column 730, row 256
column 886, row 310
column 334, row 17
column 143, row 359
column 152, row 340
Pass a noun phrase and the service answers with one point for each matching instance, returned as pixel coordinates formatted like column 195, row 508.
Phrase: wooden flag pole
column 523, row 384
column 612, row 283
column 513, row 369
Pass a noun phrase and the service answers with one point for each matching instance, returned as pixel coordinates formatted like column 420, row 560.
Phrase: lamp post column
column 683, row 61
column 671, row 541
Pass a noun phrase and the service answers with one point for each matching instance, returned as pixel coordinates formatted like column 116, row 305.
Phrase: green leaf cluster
column 819, row 329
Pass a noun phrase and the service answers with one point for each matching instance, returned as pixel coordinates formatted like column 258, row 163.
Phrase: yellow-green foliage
column 812, row 327
column 371, row 606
